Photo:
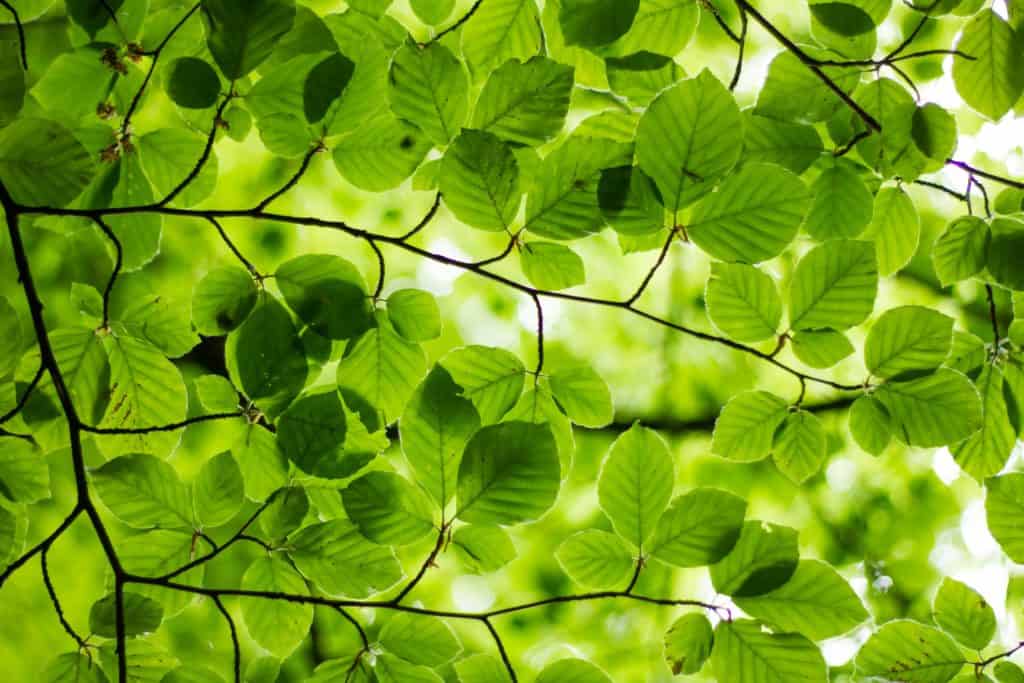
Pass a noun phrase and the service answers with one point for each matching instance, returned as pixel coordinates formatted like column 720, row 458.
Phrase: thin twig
column 234, row 638
column 118, row 264
column 56, row 602
column 425, row 221
column 172, row 427
column 294, row 180
column 427, row 564
column 462, row 20
column 24, row 396
column 234, row 250
column 21, row 33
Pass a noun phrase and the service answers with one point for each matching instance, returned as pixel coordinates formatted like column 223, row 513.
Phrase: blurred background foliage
column 893, row 525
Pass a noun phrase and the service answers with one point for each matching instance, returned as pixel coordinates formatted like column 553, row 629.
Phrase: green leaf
column 383, row 368
column 278, row 626
column 688, row 139
column 285, row 513
column 743, row 302
column 821, row 348
column 490, row 377
column 908, row 339
column 596, row 559
column 834, row 285
column 895, row 229
column 42, row 164
column 420, row 639
column 313, row 433
column 1004, row 503
column 341, row 561
column 629, row 200
column 870, row 424
column 156, row 552
column 800, row 446
column 241, row 34
column 661, row 27
column 509, row 474
column 192, row 674
column 794, row 146
column 525, row 102
column 324, row 85
column 483, row 549
column 842, row 18
column 964, row 614
column 327, row 293
column 432, row 12
column 216, row 393
column 384, row 152
column 985, row 453
column 11, row 341
column 891, row 152
column 635, row 483
column 223, row 300
column 641, row 76
column 24, row 473
column 75, row 84
column 538, row 406
column 1008, row 672
column 140, row 614
column 481, row 669
column 764, row 558
column 434, row 428
column 479, row 181
column 501, row 30
column 744, row 430
column 428, row 87
column 12, row 82
column 816, row 602
column 961, row 250
column 564, row 203
column 1003, row 261
column 842, row 205
column 752, row 216
column 591, row 23
column 263, row 465
column 218, row 491
column 935, row 134
column 914, row 652
column 792, row 92
column 268, row 332
column 143, row 491
column 147, row 390
column 990, row 83
column 73, row 667
column 414, row 314
column 745, row 652
column 388, row 509
column 192, row 83
column 572, row 671
column 688, row 644
column 583, row 395
column 935, row 410
column 699, row 528
column 551, row 266
column 391, row 669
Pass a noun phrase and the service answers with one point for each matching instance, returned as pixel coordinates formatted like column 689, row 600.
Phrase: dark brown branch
column 234, row 250
column 993, row 314
column 811, row 64
column 654, row 269
column 427, row 564
column 1009, row 182
column 24, row 397
column 294, row 180
column 462, row 20
column 425, row 221
column 381, row 269
column 174, row 426
column 21, row 33
column 236, row 648
column 501, row 650
column 207, row 150
column 155, row 54
column 118, row 263
column 56, row 602
column 40, row 547
column 742, row 47
column 540, row 337
column 942, row 188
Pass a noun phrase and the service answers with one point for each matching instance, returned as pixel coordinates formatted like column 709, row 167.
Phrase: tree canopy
column 569, row 341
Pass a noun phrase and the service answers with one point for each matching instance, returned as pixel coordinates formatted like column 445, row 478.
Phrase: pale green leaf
column 509, row 474
column 24, row 472
column 960, row 251
column 572, row 671
column 42, row 164
column 388, row 509
column 895, row 229
column 218, row 491
column 745, row 652
column 688, row 644
column 278, row 626
column 821, row 348
column 870, row 424
column 764, row 558
column 907, row 651
column 327, row 293
column 744, row 430
column 699, row 528
column 382, row 154
column 800, row 446
column 834, row 285
column 414, row 314
column 908, row 339
column 501, row 30
column 525, row 102
column 490, row 377
column 143, row 491
column 986, row 452
column 336, row 557
column 483, row 549
column 479, row 180
column 583, row 395
column 842, row 205
column 816, row 602
column 1004, row 505
column 222, row 300
column 428, row 87
column 935, row 410
column 551, row 266
column 241, row 34
column 992, row 82
column 140, row 614
column 635, row 483
column 420, row 639
column 743, row 302
column 596, row 559
column 964, row 614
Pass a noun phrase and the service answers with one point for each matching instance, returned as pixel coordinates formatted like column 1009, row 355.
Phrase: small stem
column 25, row 396
column 56, row 602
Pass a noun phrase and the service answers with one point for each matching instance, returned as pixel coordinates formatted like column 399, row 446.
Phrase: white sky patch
column 437, row 277
column 472, row 593
column 945, row 466
column 841, row 475
column 1000, row 8
column 975, row 531
column 989, row 579
column 527, row 313
column 839, row 651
